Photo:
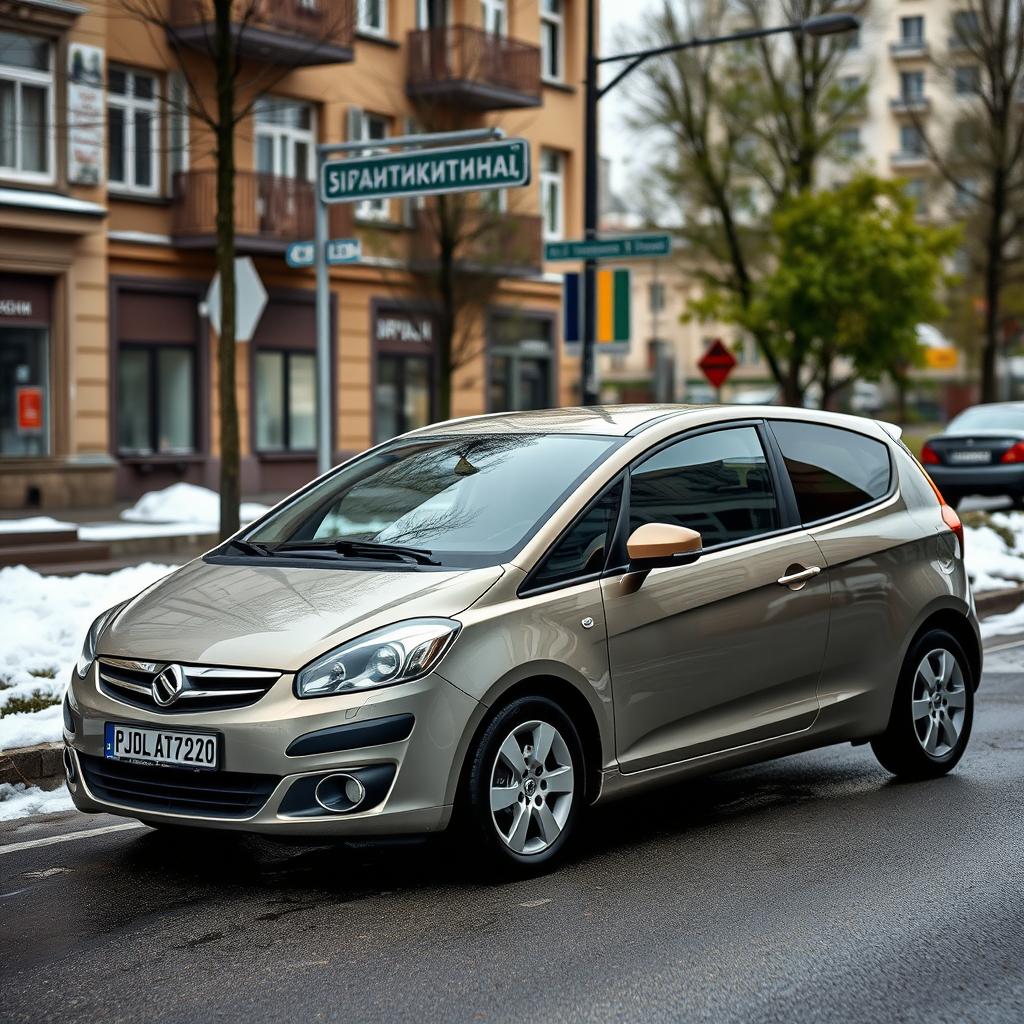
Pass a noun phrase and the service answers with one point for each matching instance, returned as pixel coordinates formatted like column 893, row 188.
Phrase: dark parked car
column 981, row 451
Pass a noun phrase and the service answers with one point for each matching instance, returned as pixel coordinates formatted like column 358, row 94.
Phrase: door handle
column 796, row 580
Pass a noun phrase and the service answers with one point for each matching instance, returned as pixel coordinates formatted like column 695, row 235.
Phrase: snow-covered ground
column 45, row 619
column 19, row 800
column 994, row 548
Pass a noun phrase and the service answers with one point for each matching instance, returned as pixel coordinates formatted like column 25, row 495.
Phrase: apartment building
column 107, row 229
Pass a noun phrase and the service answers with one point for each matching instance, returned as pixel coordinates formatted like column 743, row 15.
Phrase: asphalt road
column 810, row 889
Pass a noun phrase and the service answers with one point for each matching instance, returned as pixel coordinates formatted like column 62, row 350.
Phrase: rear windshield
column 467, row 500
column 988, row 417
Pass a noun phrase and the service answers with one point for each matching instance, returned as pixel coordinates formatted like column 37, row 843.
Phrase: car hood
column 265, row 616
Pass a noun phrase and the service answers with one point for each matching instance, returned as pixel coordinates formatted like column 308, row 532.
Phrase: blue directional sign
column 339, row 250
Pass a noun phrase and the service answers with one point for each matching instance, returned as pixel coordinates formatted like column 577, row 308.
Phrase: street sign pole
column 324, row 452
column 324, row 455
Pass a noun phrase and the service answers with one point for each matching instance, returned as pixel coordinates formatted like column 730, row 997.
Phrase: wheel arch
column 958, row 625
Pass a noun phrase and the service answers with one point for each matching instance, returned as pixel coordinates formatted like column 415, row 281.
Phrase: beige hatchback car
column 496, row 622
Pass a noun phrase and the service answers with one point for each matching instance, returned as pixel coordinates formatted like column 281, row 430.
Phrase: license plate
column 973, row 456
column 159, row 746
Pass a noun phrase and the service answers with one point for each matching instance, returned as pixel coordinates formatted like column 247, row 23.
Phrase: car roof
column 627, row 420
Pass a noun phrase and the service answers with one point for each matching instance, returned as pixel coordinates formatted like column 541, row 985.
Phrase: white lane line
column 1004, row 647
column 67, row 837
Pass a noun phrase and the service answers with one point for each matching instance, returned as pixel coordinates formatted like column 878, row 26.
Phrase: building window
column 848, row 141
column 911, row 140
column 402, row 394
column 912, row 85
column 285, row 138
column 521, row 363
column 912, row 31
column 285, row 401
column 427, row 13
column 495, row 16
column 177, row 125
column 552, row 40
column 133, row 123
column 656, row 296
column 25, row 317
column 916, row 191
column 156, row 385
column 965, row 28
column 967, row 80
column 849, row 83
column 965, row 193
column 373, row 17
column 26, row 107
column 552, row 193
column 364, row 126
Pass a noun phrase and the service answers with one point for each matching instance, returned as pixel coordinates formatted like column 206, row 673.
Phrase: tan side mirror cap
column 656, row 544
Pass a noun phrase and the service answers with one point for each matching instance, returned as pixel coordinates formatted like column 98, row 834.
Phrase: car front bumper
column 415, row 776
column 994, row 480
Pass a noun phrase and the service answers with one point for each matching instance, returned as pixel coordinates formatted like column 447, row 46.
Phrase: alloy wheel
column 532, row 787
column 938, row 702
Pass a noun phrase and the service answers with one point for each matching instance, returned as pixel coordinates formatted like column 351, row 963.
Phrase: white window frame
column 556, row 20
column 552, row 182
column 128, row 104
column 491, row 10
column 363, row 23
column 912, row 38
column 290, row 135
column 423, row 14
column 45, row 79
column 359, row 130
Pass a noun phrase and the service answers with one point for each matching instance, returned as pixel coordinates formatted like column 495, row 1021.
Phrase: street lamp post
column 822, row 25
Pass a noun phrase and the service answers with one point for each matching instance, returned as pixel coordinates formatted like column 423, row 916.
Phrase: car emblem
column 167, row 686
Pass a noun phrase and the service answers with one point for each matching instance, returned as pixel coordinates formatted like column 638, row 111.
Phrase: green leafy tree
column 853, row 272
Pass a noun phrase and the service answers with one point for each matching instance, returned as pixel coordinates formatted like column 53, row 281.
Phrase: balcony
column 912, row 104
column 270, row 212
column 911, row 48
column 507, row 245
column 908, row 159
column 290, row 33
column 468, row 67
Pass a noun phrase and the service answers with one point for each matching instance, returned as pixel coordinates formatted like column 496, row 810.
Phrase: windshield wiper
column 359, row 549
column 248, row 547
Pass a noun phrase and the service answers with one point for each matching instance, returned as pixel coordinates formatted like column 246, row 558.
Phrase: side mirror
column 655, row 545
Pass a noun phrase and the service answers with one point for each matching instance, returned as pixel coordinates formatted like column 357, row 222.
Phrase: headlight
column 88, row 655
column 394, row 654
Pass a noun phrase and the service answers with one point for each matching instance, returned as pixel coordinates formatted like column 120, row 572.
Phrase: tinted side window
column 717, row 484
column 583, row 548
column 833, row 470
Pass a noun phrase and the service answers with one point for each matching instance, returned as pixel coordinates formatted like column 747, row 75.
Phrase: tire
column 537, row 801
column 932, row 712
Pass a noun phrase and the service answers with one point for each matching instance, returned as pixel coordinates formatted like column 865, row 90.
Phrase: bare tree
column 222, row 102
column 979, row 152
column 747, row 128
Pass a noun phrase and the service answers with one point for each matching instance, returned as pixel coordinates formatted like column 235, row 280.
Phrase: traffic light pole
column 822, row 25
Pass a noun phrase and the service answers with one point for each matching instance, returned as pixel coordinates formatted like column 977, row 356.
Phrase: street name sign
column 421, row 172
column 717, row 363
column 339, row 250
column 628, row 247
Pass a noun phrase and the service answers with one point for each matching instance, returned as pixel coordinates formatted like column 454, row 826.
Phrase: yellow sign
column 941, row 358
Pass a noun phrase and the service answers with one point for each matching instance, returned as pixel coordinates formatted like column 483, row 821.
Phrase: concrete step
column 21, row 538
column 37, row 555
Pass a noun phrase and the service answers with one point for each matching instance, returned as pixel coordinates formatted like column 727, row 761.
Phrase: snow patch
column 19, row 800
column 994, row 551
column 34, row 524
column 186, row 503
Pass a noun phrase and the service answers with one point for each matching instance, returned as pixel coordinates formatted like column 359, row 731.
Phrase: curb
column 995, row 602
column 41, row 765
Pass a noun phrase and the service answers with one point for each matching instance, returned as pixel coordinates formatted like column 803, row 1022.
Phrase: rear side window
column 717, row 483
column 833, row 470
column 583, row 548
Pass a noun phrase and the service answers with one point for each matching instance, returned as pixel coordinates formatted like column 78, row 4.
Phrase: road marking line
column 68, row 836
column 1004, row 647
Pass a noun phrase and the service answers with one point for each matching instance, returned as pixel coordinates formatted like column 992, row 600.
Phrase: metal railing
column 331, row 22
column 462, row 53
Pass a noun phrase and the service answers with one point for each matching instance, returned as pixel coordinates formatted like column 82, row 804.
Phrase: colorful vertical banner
column 613, row 310
column 86, row 114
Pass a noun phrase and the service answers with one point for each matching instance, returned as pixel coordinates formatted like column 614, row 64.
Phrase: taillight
column 952, row 520
column 929, row 456
column 1014, row 454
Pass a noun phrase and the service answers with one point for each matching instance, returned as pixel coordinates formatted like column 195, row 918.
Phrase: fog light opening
column 339, row 793
column 69, row 766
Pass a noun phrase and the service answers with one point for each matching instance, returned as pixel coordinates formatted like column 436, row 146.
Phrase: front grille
column 205, row 688
column 177, row 790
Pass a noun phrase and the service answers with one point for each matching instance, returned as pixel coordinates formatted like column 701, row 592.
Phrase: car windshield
column 988, row 417
column 466, row 500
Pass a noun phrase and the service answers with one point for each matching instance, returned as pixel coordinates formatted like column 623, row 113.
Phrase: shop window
column 26, row 107
column 285, row 401
column 521, row 363
column 552, row 193
column 156, row 387
column 402, row 394
column 24, row 391
column 133, row 125
column 552, row 39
